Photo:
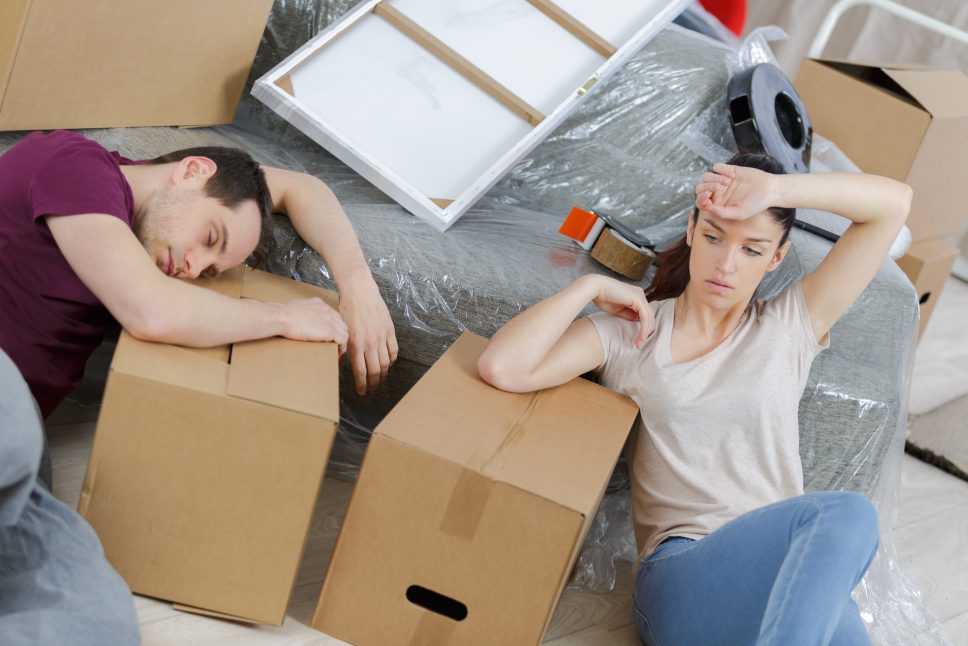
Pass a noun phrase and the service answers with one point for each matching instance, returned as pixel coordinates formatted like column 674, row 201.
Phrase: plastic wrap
column 635, row 149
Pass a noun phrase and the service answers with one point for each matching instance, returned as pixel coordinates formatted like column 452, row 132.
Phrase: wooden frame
column 465, row 104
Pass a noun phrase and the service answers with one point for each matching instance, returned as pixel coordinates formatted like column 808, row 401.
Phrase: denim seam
column 796, row 571
column 648, row 624
column 683, row 548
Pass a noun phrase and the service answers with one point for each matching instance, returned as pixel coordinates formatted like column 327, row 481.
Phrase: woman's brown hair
column 672, row 274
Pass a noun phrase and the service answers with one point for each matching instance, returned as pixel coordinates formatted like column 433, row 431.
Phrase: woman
column 734, row 552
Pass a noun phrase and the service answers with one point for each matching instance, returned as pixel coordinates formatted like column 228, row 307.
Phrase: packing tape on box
column 432, row 629
column 466, row 505
column 621, row 256
column 473, row 489
column 767, row 115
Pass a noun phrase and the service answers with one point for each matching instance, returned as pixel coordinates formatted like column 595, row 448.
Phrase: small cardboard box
column 207, row 463
column 927, row 265
column 112, row 63
column 470, row 509
column 909, row 124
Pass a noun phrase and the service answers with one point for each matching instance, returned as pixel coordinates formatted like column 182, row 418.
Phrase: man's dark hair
column 237, row 178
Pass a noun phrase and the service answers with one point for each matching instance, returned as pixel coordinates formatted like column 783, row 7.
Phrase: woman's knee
column 852, row 518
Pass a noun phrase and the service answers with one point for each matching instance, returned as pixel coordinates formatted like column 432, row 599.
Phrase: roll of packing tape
column 767, row 115
column 621, row 256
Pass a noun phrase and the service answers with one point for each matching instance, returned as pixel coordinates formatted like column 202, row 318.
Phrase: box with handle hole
column 470, row 509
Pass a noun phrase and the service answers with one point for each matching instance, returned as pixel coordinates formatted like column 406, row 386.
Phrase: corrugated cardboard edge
column 833, row 63
column 942, row 93
column 13, row 19
column 217, row 615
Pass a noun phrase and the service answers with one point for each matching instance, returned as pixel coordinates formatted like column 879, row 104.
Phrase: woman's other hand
column 627, row 301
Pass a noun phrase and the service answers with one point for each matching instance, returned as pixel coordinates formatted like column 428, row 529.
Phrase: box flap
column 556, row 443
column 171, row 364
column 271, row 288
column 300, row 376
column 872, row 74
column 943, row 93
column 296, row 375
column 868, row 106
column 929, row 251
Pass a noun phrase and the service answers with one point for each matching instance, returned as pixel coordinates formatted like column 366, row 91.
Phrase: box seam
column 8, row 74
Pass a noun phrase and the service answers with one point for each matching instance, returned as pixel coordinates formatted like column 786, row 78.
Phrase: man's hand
column 372, row 342
column 311, row 319
column 319, row 219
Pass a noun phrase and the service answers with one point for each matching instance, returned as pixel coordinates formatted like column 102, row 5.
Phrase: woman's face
column 729, row 258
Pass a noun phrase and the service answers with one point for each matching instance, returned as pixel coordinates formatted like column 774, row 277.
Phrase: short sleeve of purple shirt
column 50, row 322
column 81, row 178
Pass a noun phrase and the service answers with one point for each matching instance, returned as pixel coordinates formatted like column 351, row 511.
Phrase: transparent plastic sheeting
column 635, row 149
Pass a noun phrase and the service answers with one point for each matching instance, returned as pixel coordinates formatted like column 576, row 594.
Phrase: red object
column 732, row 13
column 578, row 224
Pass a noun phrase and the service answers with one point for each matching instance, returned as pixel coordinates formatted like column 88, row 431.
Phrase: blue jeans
column 781, row 574
column 55, row 585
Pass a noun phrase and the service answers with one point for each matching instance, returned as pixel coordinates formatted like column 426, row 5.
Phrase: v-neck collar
column 664, row 342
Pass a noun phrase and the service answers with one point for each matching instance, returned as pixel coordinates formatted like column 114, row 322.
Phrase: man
column 88, row 237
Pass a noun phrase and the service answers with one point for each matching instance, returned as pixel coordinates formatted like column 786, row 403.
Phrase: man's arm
column 107, row 257
column 319, row 219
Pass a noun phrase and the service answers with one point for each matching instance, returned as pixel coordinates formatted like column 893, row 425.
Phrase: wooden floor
column 930, row 534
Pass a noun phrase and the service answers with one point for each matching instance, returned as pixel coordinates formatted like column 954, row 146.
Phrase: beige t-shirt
column 719, row 435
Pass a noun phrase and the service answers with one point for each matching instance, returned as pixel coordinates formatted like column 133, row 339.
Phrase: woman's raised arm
column 877, row 207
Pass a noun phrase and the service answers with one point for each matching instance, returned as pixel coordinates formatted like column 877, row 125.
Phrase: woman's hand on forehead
column 736, row 192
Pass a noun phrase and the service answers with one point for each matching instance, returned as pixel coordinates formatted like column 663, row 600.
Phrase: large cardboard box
column 470, row 509
column 928, row 265
column 433, row 101
column 108, row 63
column 909, row 124
column 207, row 463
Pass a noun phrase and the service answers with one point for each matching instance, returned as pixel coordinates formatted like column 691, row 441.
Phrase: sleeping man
column 88, row 238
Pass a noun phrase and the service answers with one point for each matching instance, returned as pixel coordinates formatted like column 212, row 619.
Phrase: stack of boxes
column 910, row 124
column 470, row 509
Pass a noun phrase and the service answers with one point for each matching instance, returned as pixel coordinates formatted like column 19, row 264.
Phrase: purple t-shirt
column 50, row 322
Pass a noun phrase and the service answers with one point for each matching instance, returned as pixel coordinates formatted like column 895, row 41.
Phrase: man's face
column 189, row 234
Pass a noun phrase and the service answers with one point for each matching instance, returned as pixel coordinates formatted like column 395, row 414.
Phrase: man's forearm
column 185, row 314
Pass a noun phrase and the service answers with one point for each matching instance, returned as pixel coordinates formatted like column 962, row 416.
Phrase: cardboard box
column 909, row 124
column 207, row 463
column 473, row 502
column 492, row 85
column 928, row 265
column 112, row 63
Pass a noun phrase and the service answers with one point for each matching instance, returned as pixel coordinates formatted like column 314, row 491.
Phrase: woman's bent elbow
column 907, row 195
column 494, row 374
